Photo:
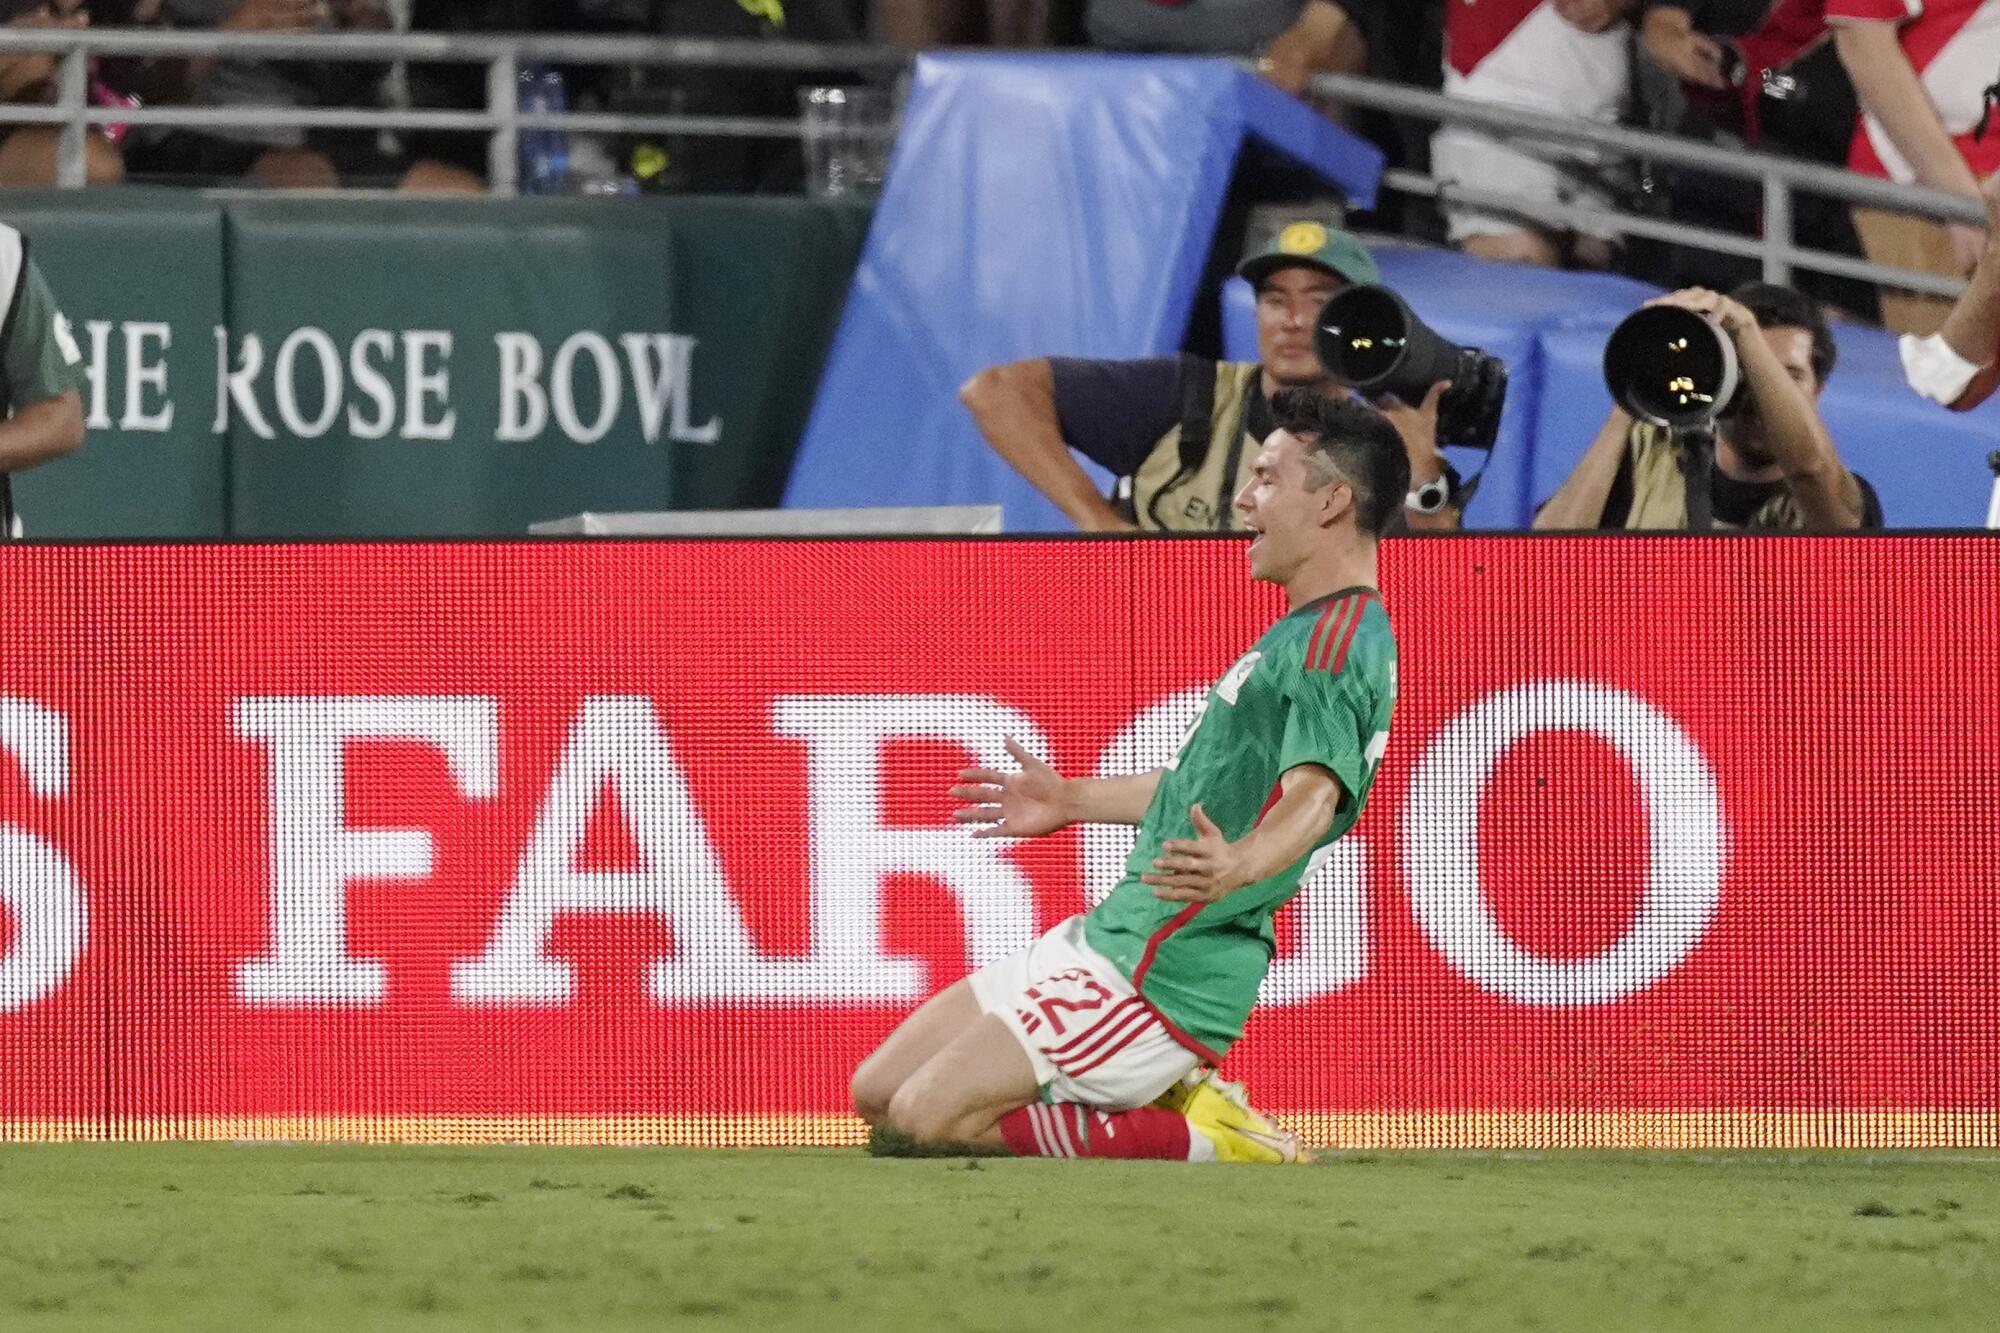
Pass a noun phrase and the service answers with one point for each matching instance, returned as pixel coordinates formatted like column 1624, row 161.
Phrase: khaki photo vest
column 1659, row 492
column 1188, row 479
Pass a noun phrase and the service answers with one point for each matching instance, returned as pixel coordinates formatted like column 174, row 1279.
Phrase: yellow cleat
column 1224, row 1116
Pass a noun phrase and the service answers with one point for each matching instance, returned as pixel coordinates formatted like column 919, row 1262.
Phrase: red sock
column 1067, row 1130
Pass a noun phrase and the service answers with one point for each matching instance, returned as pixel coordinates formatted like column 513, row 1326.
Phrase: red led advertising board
column 1677, row 841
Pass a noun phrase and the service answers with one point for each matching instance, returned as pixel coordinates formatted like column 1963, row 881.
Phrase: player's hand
column 1201, row 869
column 1026, row 804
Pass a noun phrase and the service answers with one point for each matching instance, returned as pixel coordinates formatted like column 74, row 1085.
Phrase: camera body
column 1369, row 339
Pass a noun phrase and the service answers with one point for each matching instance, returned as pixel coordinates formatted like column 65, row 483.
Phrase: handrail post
column 1778, row 241
column 73, row 98
column 503, row 149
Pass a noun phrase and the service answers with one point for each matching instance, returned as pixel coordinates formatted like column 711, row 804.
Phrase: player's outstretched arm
column 1038, row 800
column 1208, row 866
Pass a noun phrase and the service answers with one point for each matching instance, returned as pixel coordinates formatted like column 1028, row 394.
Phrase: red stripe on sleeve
column 1324, row 652
column 1277, row 792
column 1319, row 628
column 1353, row 624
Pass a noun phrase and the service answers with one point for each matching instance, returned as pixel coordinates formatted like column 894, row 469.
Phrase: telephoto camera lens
column 1671, row 367
column 1369, row 339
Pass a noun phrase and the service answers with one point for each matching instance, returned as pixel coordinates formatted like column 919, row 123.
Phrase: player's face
column 1288, row 305
column 1279, row 506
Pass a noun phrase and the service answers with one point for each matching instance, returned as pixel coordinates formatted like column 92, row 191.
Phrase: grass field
column 219, row 1236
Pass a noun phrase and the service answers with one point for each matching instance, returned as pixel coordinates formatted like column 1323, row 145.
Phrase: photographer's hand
column 1419, row 426
column 1015, row 408
column 1726, row 314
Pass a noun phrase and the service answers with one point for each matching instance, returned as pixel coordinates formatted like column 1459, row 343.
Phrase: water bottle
column 544, row 152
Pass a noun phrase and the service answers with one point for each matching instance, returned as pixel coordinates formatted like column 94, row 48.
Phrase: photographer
column 1774, row 466
column 1180, row 432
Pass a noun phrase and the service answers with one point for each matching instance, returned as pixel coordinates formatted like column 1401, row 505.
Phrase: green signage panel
column 392, row 367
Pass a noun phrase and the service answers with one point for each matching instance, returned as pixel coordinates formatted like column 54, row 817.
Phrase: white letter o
column 1684, row 854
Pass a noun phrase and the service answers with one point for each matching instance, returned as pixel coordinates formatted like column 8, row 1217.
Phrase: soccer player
column 1100, row 1038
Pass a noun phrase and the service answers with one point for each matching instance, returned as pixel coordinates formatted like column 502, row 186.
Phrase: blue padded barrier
column 1035, row 206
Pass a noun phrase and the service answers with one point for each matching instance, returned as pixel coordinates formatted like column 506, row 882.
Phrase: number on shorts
column 1071, row 992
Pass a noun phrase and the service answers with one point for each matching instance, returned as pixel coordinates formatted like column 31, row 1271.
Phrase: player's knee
column 923, row 1116
column 871, row 1090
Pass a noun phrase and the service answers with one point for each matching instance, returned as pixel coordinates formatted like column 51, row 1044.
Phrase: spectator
column 1920, row 69
column 1726, row 52
column 1562, row 57
column 1291, row 41
column 1756, row 73
column 41, row 369
column 1959, row 365
column 1181, row 432
column 1775, row 465
column 28, row 152
column 1398, row 40
column 284, row 157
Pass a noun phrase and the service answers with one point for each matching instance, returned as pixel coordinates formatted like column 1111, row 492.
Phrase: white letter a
column 617, row 742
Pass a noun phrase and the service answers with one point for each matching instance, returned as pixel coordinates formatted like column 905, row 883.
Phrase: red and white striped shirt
column 1954, row 46
column 1523, row 53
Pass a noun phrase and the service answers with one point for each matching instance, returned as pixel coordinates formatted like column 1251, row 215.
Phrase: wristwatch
column 1430, row 497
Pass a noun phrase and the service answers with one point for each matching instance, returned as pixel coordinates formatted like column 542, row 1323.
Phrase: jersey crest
column 1231, row 683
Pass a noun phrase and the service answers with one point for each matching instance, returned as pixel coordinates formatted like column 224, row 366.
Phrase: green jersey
column 1317, row 688
column 39, row 358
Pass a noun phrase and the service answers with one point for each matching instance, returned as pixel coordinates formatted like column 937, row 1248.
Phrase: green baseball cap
column 1316, row 246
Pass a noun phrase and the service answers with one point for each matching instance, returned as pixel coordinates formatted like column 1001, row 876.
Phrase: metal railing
column 504, row 54
column 1780, row 178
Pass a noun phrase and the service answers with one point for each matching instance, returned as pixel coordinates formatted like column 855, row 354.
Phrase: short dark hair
column 1360, row 445
column 1786, row 308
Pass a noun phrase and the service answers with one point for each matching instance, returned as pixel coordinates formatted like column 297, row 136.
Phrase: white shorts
column 1480, row 163
column 1090, row 1037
